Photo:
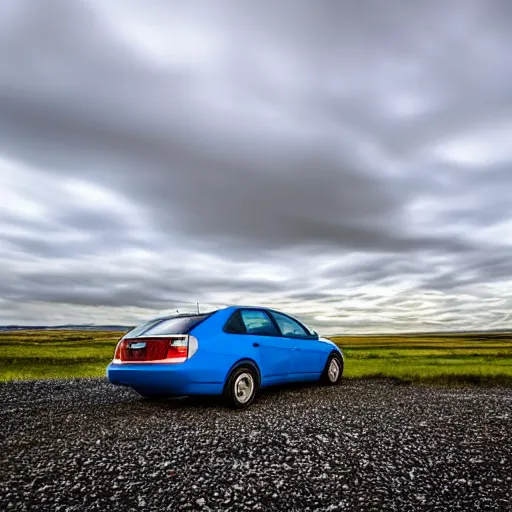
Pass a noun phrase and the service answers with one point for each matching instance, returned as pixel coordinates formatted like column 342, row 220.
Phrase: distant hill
column 66, row 327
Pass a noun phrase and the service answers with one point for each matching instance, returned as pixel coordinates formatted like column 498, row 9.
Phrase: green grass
column 451, row 359
column 26, row 355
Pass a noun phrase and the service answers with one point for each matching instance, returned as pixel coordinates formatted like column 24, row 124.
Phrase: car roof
column 234, row 307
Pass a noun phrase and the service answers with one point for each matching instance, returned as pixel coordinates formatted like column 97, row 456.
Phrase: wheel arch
column 335, row 352
column 243, row 362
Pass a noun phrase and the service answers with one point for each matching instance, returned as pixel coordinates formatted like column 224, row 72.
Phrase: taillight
column 177, row 349
column 161, row 349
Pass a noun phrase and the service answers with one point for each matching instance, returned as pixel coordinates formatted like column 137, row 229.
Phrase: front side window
column 258, row 323
column 290, row 327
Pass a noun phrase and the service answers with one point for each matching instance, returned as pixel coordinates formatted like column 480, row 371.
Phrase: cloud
column 345, row 162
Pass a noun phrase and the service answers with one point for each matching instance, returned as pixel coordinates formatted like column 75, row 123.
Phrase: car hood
column 325, row 340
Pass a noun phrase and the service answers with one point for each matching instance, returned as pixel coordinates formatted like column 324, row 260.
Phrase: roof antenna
column 197, row 308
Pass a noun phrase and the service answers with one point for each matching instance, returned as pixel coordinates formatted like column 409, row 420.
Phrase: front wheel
column 333, row 370
column 241, row 387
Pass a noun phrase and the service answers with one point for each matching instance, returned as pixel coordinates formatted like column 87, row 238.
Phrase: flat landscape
column 419, row 423
column 449, row 359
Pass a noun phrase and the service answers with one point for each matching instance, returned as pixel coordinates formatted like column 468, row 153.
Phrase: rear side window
column 175, row 325
column 290, row 327
column 258, row 323
column 249, row 321
column 235, row 325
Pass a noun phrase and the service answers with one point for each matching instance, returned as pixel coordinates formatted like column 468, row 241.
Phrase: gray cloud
column 349, row 163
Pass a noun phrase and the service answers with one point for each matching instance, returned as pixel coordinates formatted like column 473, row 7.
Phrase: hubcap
column 244, row 387
column 334, row 370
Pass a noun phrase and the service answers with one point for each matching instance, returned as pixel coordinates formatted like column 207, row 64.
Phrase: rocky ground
column 366, row 445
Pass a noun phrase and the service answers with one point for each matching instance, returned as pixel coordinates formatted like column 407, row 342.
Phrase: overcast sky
column 348, row 162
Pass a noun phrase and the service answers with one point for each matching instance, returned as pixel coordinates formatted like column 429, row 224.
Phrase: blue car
column 231, row 352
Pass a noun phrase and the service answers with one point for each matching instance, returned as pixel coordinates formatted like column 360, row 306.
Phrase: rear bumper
column 165, row 379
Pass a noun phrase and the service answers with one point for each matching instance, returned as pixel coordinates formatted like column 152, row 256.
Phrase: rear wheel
column 333, row 370
column 241, row 387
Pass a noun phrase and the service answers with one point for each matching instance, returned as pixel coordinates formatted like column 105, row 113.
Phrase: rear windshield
column 175, row 325
column 141, row 328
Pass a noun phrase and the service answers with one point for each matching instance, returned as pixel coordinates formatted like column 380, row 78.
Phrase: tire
column 241, row 387
column 332, row 376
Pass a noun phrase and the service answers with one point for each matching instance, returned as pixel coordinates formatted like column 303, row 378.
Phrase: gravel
column 365, row 445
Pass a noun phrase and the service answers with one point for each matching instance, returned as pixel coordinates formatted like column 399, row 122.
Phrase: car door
column 307, row 355
column 274, row 352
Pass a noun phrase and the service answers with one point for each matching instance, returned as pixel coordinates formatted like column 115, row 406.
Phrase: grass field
column 483, row 358
column 445, row 359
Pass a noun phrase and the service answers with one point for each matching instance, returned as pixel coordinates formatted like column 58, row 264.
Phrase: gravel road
column 366, row 445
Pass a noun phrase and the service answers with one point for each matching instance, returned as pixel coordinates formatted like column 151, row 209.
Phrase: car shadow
column 209, row 402
column 182, row 402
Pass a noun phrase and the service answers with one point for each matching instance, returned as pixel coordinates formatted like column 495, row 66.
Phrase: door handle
column 255, row 344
